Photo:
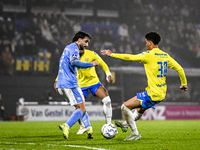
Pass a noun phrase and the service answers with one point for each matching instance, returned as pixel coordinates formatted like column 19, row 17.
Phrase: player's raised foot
column 65, row 130
column 81, row 130
column 119, row 124
column 89, row 133
column 133, row 137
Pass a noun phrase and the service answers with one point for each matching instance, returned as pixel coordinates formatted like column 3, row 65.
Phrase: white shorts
column 73, row 96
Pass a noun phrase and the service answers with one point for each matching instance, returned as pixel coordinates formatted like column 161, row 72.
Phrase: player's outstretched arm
column 183, row 88
column 81, row 64
column 95, row 63
column 106, row 52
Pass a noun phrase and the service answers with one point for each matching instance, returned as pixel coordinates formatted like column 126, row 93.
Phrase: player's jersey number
column 162, row 69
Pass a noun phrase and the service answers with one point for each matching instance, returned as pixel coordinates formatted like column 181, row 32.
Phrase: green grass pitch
column 156, row 135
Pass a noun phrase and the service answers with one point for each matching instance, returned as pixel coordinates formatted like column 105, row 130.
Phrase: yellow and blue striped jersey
column 156, row 62
column 88, row 76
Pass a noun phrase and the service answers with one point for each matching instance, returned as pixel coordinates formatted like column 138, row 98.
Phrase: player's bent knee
column 107, row 100
column 138, row 116
column 123, row 107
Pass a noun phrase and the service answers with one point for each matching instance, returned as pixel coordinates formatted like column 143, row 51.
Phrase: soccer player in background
column 156, row 62
column 89, row 81
column 67, row 83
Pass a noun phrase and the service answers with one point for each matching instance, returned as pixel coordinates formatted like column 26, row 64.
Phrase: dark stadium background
column 31, row 68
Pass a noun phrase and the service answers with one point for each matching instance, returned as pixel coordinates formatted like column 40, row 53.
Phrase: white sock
column 129, row 119
column 81, row 123
column 107, row 109
column 136, row 115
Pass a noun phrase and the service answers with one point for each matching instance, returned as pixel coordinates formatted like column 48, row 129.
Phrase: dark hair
column 154, row 37
column 81, row 35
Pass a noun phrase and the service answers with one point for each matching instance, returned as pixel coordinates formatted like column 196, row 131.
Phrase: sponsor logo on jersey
column 74, row 55
column 160, row 54
column 160, row 85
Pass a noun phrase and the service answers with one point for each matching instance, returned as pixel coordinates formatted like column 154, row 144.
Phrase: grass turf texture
column 167, row 135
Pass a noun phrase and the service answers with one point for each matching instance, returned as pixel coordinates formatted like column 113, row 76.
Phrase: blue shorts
column 92, row 89
column 146, row 101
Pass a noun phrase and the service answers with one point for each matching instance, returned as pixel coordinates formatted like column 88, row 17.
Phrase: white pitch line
column 86, row 147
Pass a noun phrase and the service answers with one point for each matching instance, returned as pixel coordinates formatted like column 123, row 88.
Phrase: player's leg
column 75, row 97
column 126, row 111
column 87, row 125
column 71, row 121
column 142, row 102
column 137, row 114
column 85, row 119
column 107, row 108
column 77, row 114
column 82, row 129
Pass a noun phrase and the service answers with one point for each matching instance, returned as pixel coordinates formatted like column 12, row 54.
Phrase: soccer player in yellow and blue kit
column 89, row 81
column 156, row 62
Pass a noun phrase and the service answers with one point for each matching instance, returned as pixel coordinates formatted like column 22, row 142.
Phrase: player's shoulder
column 90, row 52
column 145, row 52
column 157, row 51
column 72, row 46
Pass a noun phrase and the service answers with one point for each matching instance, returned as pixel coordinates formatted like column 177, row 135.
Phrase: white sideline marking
column 86, row 147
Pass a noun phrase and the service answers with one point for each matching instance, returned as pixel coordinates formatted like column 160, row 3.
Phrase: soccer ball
column 109, row 131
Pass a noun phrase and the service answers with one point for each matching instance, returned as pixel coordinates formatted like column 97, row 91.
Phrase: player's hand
column 110, row 79
column 95, row 63
column 106, row 52
column 55, row 86
column 183, row 88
